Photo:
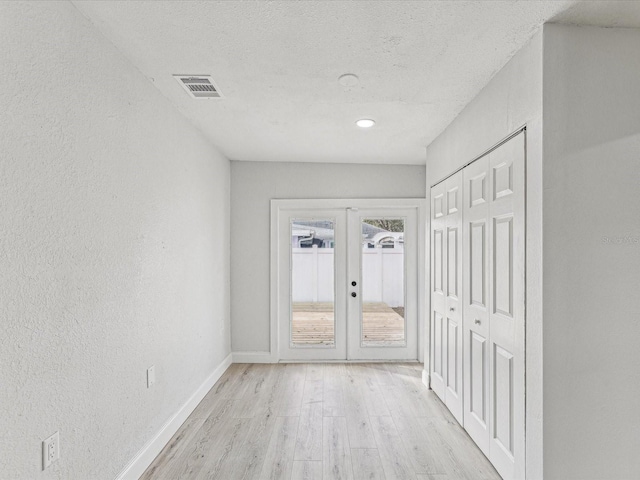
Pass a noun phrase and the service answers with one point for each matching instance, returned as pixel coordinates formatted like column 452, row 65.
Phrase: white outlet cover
column 50, row 450
column 151, row 376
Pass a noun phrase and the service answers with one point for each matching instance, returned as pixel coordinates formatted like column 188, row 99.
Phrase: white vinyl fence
column 312, row 275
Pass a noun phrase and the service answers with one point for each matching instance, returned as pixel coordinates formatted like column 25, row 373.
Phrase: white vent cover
column 198, row 86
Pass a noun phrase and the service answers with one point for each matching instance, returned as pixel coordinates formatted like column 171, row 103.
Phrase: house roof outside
column 324, row 230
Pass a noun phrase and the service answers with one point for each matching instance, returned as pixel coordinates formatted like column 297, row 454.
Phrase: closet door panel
column 476, row 301
column 506, row 307
column 453, row 223
column 446, row 281
column 438, row 354
column 478, row 380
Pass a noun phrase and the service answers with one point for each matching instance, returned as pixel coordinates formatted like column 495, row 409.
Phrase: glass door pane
column 312, row 282
column 382, row 306
column 383, row 282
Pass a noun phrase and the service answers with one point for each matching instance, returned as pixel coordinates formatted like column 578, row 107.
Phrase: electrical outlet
column 151, row 376
column 50, row 450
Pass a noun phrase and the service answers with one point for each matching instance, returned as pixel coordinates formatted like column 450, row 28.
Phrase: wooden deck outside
column 313, row 324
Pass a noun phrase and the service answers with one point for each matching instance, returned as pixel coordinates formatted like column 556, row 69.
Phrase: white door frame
column 279, row 207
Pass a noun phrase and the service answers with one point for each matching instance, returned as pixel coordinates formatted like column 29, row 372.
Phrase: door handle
column 451, row 309
column 477, row 321
column 354, row 294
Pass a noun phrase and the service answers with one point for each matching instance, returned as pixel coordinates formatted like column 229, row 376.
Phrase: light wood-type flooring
column 313, row 324
column 321, row 421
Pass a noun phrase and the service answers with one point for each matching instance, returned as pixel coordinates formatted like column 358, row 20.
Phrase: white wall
column 510, row 100
column 253, row 185
column 591, row 284
column 589, row 275
column 114, row 217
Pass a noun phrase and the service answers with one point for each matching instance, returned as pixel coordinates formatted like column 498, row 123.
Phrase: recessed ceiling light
column 365, row 123
column 348, row 80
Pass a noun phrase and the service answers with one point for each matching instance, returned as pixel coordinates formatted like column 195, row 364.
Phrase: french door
column 347, row 279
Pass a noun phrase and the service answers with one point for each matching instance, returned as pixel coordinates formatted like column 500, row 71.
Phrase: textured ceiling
column 277, row 64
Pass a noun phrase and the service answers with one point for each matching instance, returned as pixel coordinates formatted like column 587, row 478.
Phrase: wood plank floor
column 321, row 421
column 313, row 324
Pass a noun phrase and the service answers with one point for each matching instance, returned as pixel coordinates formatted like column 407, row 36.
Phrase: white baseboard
column 153, row 447
column 425, row 378
column 254, row 357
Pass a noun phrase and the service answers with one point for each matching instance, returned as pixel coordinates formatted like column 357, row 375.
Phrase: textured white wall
column 253, row 185
column 591, row 253
column 510, row 100
column 114, row 217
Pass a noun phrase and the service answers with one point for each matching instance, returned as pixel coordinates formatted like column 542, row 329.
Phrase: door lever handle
column 477, row 321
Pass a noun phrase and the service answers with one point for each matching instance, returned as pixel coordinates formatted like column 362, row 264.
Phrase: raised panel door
column 446, row 291
column 438, row 316
column 453, row 309
column 478, row 271
column 507, row 307
column 476, row 301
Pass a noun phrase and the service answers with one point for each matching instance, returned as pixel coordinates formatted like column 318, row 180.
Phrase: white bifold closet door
column 505, row 228
column 476, row 301
column 491, row 299
column 446, row 288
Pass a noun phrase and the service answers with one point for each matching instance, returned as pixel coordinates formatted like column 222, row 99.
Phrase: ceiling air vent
column 198, row 86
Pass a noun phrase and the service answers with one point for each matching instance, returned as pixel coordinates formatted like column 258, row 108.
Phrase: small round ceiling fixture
column 348, row 80
column 365, row 123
